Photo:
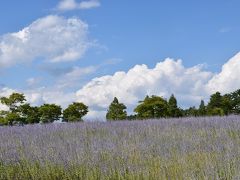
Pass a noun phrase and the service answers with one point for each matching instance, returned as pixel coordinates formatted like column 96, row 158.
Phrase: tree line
column 151, row 107
column 20, row 112
column 154, row 107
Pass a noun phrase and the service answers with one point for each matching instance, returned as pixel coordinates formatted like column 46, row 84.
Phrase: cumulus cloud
column 52, row 38
column 228, row 79
column 66, row 5
column 189, row 85
column 49, row 95
column 167, row 77
column 39, row 96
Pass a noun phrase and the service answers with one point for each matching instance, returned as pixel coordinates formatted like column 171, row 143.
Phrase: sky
column 90, row 51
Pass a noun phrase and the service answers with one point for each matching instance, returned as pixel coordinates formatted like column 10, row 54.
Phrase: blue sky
column 121, row 34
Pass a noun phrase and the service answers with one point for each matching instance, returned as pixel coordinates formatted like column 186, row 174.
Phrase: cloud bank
column 167, row 77
column 228, row 79
column 52, row 38
column 67, row 5
column 189, row 84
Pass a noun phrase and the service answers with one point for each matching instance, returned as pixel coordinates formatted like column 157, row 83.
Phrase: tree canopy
column 75, row 112
column 173, row 110
column 49, row 113
column 152, row 107
column 116, row 111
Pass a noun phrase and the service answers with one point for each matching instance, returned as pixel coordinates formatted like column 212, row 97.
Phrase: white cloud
column 190, row 85
column 166, row 77
column 31, row 82
column 49, row 95
column 52, row 38
column 39, row 96
column 228, row 79
column 73, row 77
column 67, row 5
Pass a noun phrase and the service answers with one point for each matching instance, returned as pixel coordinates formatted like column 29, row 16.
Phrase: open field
column 189, row 148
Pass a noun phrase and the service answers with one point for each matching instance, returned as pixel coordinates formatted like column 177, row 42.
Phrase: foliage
column 219, row 104
column 152, row 107
column 215, row 101
column 49, row 113
column 173, row 109
column 13, row 101
column 75, row 112
column 116, row 111
column 132, row 117
column 202, row 109
column 13, row 117
column 3, row 121
column 216, row 112
column 191, row 112
column 235, row 101
column 29, row 114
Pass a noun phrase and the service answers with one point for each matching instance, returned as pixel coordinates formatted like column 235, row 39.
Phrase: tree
column 152, row 107
column 49, row 113
column 116, row 111
column 3, row 120
column 226, row 104
column 219, row 104
column 13, row 118
column 216, row 112
column 215, row 101
column 132, row 117
column 191, row 112
column 75, row 112
column 173, row 109
column 13, row 101
column 234, row 98
column 29, row 114
column 202, row 109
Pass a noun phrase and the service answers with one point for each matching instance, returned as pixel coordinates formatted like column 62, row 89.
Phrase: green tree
column 75, row 112
column 13, row 101
column 152, row 107
column 29, row 114
column 234, row 98
column 3, row 120
column 219, row 104
column 173, row 109
column 191, row 112
column 132, row 117
column 116, row 111
column 226, row 104
column 13, row 117
column 215, row 101
column 202, row 109
column 49, row 113
column 216, row 112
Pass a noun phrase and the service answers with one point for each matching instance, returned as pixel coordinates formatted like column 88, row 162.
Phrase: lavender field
column 189, row 148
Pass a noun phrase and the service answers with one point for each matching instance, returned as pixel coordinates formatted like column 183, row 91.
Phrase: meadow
column 185, row 148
